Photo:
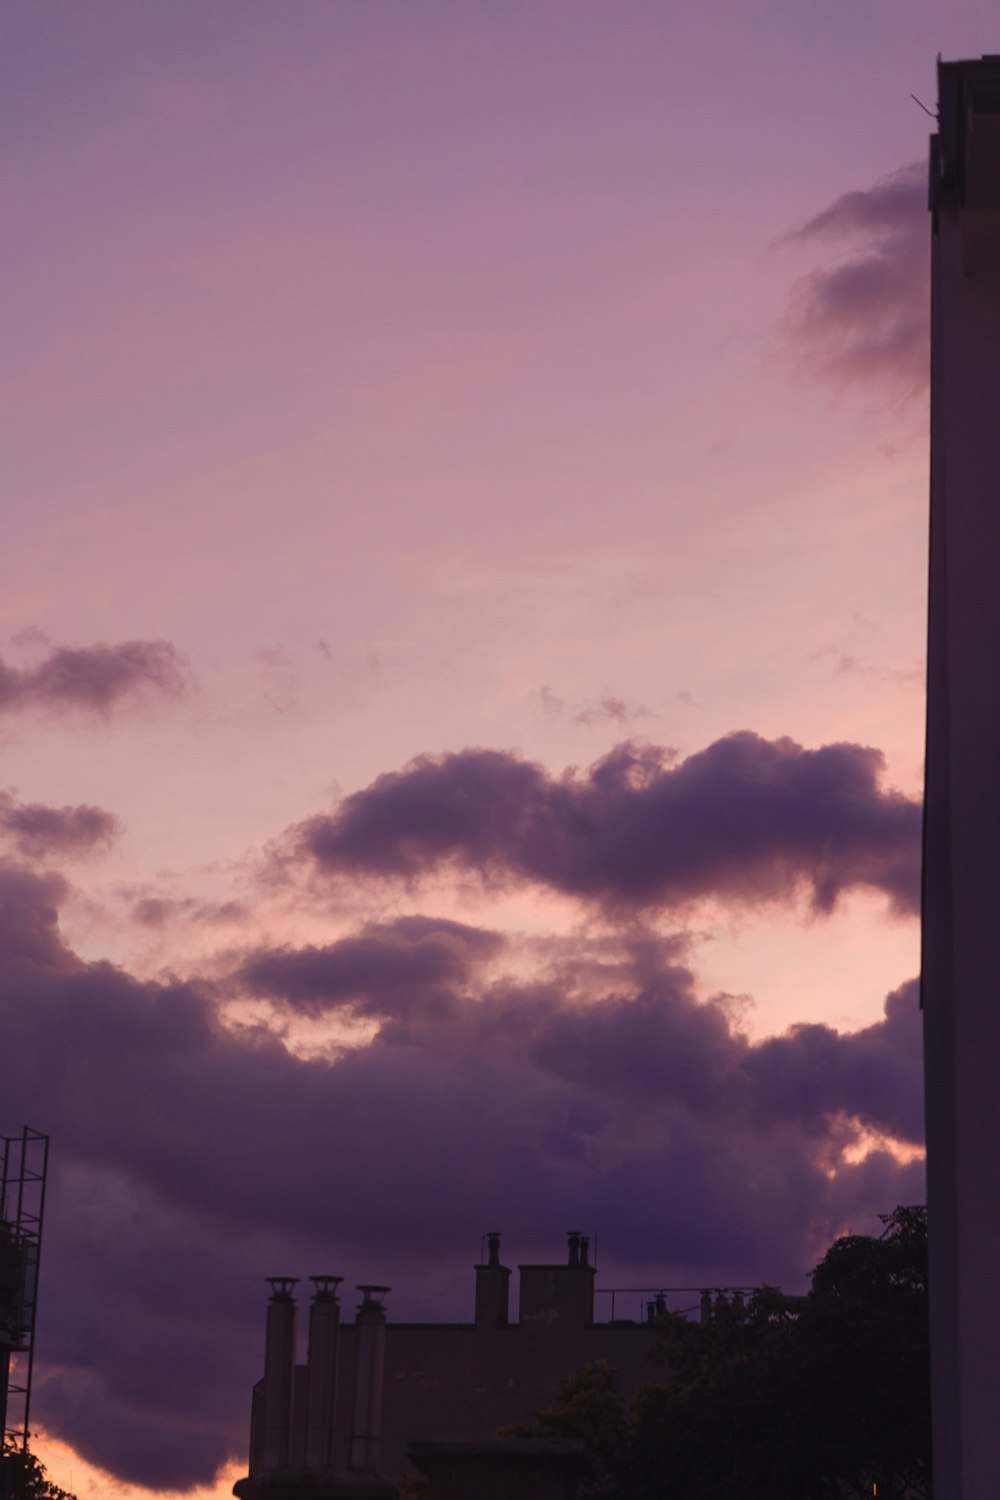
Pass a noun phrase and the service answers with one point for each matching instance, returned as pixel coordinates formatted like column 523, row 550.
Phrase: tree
column 712, row 1423
column 589, row 1409
column 23, row 1477
column 819, row 1397
column 861, row 1363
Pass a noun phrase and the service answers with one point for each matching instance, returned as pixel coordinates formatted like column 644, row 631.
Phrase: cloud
column 29, row 925
column 866, row 318
column 814, row 1070
column 190, row 1158
column 426, row 959
column 95, row 679
column 549, row 702
column 163, row 911
column 36, row 831
column 611, row 710
column 745, row 820
column 277, row 678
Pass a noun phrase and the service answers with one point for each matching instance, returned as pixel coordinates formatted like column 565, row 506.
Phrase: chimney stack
column 574, row 1247
column 279, row 1371
column 324, row 1341
column 492, row 1287
column 369, row 1369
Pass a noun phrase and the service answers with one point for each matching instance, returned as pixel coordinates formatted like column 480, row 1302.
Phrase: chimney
column 369, row 1368
column 324, row 1340
column 706, row 1308
column 656, row 1308
column 560, row 1295
column 492, row 1287
column 279, row 1371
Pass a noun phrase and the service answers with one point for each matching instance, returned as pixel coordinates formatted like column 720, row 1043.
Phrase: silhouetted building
column 506, row 1469
column 962, row 828
column 369, row 1389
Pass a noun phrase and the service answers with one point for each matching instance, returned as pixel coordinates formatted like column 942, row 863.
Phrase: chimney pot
column 282, row 1287
column 371, row 1294
column 325, row 1286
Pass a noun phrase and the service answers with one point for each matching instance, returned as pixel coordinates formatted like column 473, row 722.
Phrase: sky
column 461, row 659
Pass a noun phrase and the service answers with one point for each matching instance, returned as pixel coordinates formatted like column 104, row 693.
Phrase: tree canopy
column 818, row 1397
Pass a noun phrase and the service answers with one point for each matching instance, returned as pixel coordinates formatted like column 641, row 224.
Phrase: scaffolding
column 24, row 1161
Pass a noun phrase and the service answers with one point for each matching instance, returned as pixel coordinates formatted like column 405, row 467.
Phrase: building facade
column 961, row 995
column 369, row 1388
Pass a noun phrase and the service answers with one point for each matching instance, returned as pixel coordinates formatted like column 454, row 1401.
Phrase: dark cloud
column 428, row 960
column 191, row 1158
column 94, row 679
column 36, row 831
column 29, row 926
column 818, row 1072
column 747, row 819
column 867, row 317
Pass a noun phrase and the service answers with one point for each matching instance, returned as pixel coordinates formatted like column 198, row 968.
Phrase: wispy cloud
column 94, row 679
column 609, row 709
column 612, row 710
column 37, row 831
column 166, row 911
column 866, row 318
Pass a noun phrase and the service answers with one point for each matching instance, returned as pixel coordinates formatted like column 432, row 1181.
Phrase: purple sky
column 461, row 662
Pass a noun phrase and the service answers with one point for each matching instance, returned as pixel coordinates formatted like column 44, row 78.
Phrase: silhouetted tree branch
column 23, row 1477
